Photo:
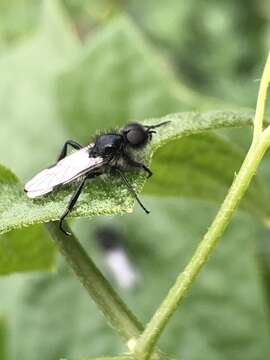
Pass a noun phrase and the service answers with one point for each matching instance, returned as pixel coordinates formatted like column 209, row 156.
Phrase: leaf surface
column 107, row 197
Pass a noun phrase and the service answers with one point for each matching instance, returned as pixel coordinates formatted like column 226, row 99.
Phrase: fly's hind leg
column 71, row 143
column 73, row 200
column 71, row 205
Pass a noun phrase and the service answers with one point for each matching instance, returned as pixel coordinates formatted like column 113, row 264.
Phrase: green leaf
column 197, row 55
column 223, row 317
column 203, row 166
column 104, row 197
column 3, row 339
column 62, row 298
column 17, row 18
column 119, row 77
column 123, row 357
column 25, row 250
column 29, row 115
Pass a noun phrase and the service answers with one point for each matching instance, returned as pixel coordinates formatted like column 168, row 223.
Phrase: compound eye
column 136, row 135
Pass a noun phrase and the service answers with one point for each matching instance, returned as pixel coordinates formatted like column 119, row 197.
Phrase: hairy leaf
column 103, row 197
column 29, row 249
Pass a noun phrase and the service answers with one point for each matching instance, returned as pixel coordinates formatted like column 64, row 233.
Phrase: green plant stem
column 158, row 322
column 113, row 308
column 258, row 119
column 109, row 302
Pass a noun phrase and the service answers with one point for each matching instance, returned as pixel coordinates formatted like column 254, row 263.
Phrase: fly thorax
column 107, row 145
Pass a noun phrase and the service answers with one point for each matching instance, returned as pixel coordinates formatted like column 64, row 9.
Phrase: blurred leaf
column 215, row 319
column 165, row 23
column 66, row 305
column 109, row 197
column 30, row 127
column 90, row 15
column 17, row 18
column 3, row 339
column 123, row 357
column 224, row 316
column 25, row 250
column 190, row 33
column 203, row 166
column 117, row 78
column 28, row 120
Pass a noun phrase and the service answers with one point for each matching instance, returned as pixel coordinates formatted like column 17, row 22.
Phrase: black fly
column 108, row 154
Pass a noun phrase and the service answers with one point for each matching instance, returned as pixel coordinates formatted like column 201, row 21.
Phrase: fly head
column 137, row 135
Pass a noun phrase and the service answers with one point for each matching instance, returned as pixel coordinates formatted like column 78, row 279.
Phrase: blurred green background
column 69, row 68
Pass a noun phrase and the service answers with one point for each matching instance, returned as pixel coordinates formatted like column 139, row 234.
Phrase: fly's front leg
column 138, row 165
column 130, row 188
column 71, row 143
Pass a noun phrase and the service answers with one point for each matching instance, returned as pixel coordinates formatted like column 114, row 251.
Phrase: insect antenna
column 150, row 127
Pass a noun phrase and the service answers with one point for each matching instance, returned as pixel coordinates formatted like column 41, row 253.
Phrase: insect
column 109, row 154
column 116, row 257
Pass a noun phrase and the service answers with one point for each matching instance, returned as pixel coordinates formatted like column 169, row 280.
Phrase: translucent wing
column 66, row 170
column 121, row 268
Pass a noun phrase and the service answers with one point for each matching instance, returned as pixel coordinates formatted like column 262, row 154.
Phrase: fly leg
column 71, row 204
column 130, row 188
column 71, row 143
column 138, row 165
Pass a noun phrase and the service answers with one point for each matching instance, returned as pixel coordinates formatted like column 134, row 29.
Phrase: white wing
column 121, row 268
column 66, row 170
